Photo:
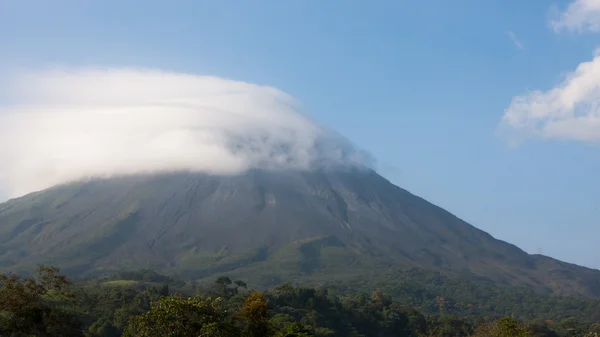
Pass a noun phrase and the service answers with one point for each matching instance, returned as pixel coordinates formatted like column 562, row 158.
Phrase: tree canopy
column 47, row 304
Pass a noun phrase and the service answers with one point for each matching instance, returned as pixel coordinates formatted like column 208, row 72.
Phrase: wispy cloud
column 65, row 125
column 516, row 41
column 579, row 16
column 569, row 111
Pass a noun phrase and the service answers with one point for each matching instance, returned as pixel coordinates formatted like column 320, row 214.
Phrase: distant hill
column 265, row 227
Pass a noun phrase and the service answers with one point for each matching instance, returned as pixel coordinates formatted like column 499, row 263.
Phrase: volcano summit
column 200, row 176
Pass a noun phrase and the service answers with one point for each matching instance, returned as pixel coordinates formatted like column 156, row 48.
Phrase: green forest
column 145, row 303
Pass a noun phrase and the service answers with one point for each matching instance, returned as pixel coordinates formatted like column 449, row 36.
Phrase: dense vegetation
column 145, row 303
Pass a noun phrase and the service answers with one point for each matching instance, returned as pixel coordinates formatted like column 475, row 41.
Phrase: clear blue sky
column 422, row 85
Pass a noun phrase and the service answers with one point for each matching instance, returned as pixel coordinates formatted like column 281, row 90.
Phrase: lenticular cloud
column 66, row 125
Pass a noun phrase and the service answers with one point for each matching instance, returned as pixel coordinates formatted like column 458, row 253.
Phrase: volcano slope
column 266, row 227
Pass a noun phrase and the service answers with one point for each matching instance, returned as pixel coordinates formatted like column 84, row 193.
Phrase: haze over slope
column 63, row 125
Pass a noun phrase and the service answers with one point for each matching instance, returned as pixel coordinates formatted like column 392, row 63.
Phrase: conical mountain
column 266, row 227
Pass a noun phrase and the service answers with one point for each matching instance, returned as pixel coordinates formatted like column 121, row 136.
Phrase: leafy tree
column 225, row 287
column 164, row 289
column 505, row 327
column 241, row 284
column 27, row 305
column 183, row 317
column 296, row 329
column 255, row 314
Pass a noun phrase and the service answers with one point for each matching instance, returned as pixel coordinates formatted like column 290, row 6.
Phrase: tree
column 296, row 329
column 222, row 285
column 505, row 327
column 255, row 314
column 379, row 299
column 29, row 306
column 183, row 317
column 239, row 284
column 164, row 289
column 223, row 281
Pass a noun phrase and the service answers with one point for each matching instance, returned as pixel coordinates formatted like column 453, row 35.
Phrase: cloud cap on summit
column 68, row 124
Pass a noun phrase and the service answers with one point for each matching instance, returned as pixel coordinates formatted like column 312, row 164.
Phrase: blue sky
column 423, row 86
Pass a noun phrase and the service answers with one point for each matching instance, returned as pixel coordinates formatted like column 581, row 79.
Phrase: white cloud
column 569, row 111
column 516, row 41
column 70, row 124
column 580, row 15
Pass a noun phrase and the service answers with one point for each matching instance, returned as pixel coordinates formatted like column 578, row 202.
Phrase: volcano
column 266, row 226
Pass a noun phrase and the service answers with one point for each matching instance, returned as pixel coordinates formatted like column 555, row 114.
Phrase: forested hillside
column 145, row 303
column 266, row 227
